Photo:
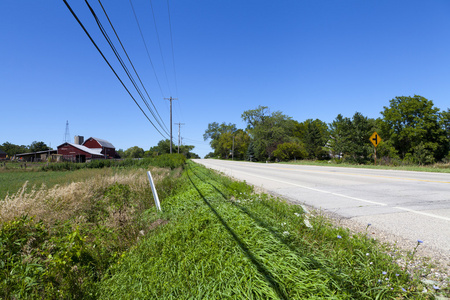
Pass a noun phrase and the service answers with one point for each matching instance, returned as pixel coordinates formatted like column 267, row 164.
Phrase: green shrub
column 22, row 264
column 171, row 161
column 224, row 242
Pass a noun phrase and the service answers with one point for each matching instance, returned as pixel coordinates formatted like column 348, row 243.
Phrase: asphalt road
column 411, row 205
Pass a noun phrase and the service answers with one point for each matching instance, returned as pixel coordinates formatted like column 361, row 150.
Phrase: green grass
column 12, row 181
column 438, row 168
column 13, row 176
column 63, row 251
column 214, row 239
column 224, row 242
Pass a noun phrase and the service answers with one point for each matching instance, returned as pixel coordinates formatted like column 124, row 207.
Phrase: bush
column 171, row 161
column 288, row 151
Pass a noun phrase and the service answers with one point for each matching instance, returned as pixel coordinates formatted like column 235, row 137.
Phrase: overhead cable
column 106, row 60
column 159, row 44
column 132, row 65
column 171, row 42
column 119, row 58
column 146, row 48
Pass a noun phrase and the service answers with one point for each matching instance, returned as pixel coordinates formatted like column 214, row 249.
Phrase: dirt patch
column 157, row 223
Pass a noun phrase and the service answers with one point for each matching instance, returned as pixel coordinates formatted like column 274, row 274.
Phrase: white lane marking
column 423, row 213
column 317, row 190
column 353, row 198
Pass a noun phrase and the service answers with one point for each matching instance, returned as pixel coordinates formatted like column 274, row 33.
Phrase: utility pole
column 179, row 136
column 170, row 99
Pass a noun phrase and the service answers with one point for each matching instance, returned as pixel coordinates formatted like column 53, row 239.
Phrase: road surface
column 411, row 205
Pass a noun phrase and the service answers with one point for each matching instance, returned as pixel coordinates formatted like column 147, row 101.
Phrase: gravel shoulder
column 429, row 264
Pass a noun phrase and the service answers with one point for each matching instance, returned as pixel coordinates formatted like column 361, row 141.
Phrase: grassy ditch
column 58, row 242
column 222, row 241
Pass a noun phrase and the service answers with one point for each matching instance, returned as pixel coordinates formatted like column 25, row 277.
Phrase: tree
column 186, row 151
column 289, row 151
column 221, row 138
column 241, row 143
column 12, row 149
column 134, row 152
column 340, row 136
column 121, row 153
column 267, row 130
column 361, row 130
column 412, row 126
column 444, row 120
column 349, row 138
column 38, row 146
column 314, row 134
column 162, row 147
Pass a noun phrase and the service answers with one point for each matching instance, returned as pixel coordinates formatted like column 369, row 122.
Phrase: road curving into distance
column 410, row 205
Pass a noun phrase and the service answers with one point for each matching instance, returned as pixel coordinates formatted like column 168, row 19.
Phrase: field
column 95, row 234
column 437, row 167
column 12, row 181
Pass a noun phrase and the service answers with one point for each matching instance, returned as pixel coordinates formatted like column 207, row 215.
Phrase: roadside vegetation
column 440, row 167
column 58, row 241
column 99, row 236
column 223, row 241
column 412, row 129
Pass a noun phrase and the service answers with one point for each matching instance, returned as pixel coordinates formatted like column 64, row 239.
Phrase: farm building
column 92, row 148
column 107, row 148
column 37, row 156
column 2, row 155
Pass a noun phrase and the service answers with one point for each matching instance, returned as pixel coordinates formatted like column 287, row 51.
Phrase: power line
column 203, row 142
column 106, row 60
column 146, row 48
column 119, row 58
column 171, row 42
column 132, row 65
column 160, row 49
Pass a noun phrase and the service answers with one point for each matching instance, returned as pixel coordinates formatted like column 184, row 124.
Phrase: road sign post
column 375, row 140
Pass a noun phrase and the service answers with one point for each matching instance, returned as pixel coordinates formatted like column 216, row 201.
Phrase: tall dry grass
column 63, row 202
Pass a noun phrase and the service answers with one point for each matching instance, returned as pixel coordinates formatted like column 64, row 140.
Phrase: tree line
column 163, row 147
column 12, row 149
column 412, row 129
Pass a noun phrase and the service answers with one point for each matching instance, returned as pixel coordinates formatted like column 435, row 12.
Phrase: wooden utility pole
column 170, row 99
column 179, row 136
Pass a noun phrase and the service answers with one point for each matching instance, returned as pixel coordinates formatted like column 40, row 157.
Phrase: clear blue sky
column 307, row 59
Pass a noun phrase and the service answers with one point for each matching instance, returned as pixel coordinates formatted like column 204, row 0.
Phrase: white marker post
column 155, row 194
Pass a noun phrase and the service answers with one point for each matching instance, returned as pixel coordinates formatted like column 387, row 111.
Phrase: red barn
column 92, row 148
column 78, row 153
column 106, row 147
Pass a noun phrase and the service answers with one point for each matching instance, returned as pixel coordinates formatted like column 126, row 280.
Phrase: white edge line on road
column 422, row 213
column 352, row 198
column 321, row 191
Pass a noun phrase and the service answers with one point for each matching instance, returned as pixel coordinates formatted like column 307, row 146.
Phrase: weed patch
column 59, row 241
column 223, row 241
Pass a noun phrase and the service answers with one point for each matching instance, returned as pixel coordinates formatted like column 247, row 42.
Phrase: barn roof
column 93, row 151
column 103, row 143
column 38, row 152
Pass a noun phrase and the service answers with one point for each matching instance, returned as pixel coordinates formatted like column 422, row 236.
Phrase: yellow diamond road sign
column 375, row 139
